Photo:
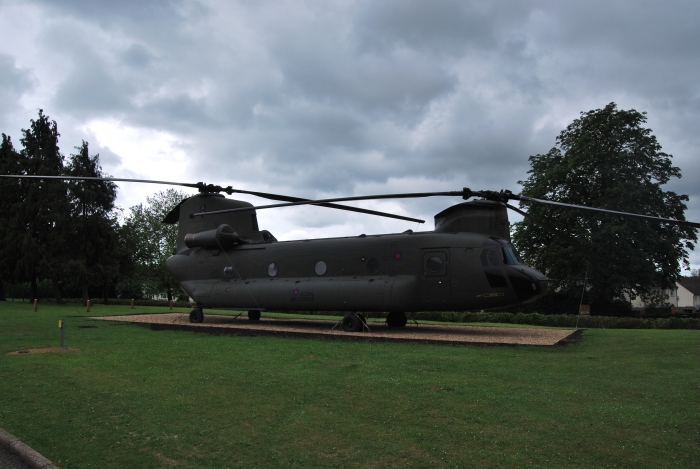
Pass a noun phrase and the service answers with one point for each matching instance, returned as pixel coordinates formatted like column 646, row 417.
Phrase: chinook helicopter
column 224, row 260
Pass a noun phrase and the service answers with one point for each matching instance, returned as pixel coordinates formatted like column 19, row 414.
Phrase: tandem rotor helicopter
column 224, row 260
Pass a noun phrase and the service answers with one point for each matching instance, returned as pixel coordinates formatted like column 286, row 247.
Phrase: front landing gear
column 396, row 319
column 254, row 315
column 196, row 315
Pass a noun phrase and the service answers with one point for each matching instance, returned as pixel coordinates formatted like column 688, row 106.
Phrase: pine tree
column 10, row 228
column 44, row 210
column 92, row 226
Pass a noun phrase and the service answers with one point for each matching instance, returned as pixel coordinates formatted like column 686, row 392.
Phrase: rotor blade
column 287, row 198
column 109, row 179
column 212, row 188
column 615, row 212
column 340, row 199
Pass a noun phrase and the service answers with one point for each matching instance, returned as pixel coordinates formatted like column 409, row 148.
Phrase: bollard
column 36, row 301
column 62, row 326
column 132, row 303
column 88, row 306
column 171, row 305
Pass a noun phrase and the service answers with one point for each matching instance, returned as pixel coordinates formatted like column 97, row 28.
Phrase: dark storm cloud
column 14, row 82
column 116, row 12
column 137, row 56
column 89, row 86
column 440, row 27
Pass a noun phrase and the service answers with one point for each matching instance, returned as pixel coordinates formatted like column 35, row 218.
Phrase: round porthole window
column 229, row 271
column 434, row 264
column 320, row 268
column 272, row 270
column 373, row 266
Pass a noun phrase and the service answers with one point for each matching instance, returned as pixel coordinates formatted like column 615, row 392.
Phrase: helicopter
column 224, row 260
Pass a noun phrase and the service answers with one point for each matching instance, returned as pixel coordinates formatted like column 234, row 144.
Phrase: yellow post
column 88, row 306
column 36, row 301
column 132, row 303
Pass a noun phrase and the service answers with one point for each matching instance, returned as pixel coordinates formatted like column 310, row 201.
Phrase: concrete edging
column 25, row 453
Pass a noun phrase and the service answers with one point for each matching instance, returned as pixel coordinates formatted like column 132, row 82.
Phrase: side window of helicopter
column 273, row 269
column 484, row 257
column 320, row 268
column 490, row 257
column 434, row 264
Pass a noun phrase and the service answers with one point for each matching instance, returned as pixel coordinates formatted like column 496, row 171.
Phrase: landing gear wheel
column 254, row 315
column 351, row 323
column 196, row 315
column 395, row 319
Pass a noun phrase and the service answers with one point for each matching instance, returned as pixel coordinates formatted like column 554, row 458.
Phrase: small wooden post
column 61, row 326
column 132, row 303
column 88, row 306
column 171, row 305
column 36, row 302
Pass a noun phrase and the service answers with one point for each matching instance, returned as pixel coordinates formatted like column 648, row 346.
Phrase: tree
column 93, row 236
column 606, row 159
column 10, row 228
column 152, row 241
column 44, row 208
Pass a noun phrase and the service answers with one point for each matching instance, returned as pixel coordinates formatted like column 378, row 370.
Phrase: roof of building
column 692, row 284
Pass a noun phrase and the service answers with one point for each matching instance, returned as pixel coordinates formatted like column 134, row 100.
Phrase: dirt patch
column 315, row 328
column 43, row 350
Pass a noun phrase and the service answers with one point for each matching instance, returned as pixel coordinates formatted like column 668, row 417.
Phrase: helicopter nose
column 527, row 282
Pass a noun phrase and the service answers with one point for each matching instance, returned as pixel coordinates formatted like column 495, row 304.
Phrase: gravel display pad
column 315, row 328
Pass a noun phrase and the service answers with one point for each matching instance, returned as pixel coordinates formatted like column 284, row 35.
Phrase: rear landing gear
column 196, row 315
column 353, row 322
column 254, row 315
column 396, row 319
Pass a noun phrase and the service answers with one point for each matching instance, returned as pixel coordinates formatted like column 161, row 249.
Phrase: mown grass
column 132, row 397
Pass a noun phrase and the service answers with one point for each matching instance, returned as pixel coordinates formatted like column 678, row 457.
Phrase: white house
column 688, row 293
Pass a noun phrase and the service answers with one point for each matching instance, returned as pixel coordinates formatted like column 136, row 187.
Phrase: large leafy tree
column 44, row 208
column 150, row 242
column 606, row 159
column 92, row 241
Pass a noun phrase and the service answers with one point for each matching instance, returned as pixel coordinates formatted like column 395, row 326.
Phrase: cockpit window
column 509, row 256
column 504, row 254
column 491, row 257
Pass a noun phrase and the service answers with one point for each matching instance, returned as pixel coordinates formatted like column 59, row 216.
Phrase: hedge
column 537, row 319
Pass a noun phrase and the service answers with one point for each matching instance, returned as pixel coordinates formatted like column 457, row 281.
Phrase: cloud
column 14, row 83
column 339, row 98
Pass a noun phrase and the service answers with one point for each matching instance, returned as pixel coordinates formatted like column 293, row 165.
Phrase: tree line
column 70, row 234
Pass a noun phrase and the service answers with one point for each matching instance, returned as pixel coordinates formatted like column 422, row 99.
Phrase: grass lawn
column 135, row 398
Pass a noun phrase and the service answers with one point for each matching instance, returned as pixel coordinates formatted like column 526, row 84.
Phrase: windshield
column 509, row 256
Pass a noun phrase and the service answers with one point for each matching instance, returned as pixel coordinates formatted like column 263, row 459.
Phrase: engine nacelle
column 221, row 238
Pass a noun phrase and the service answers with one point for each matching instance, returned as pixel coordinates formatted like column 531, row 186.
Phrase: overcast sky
column 338, row 98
